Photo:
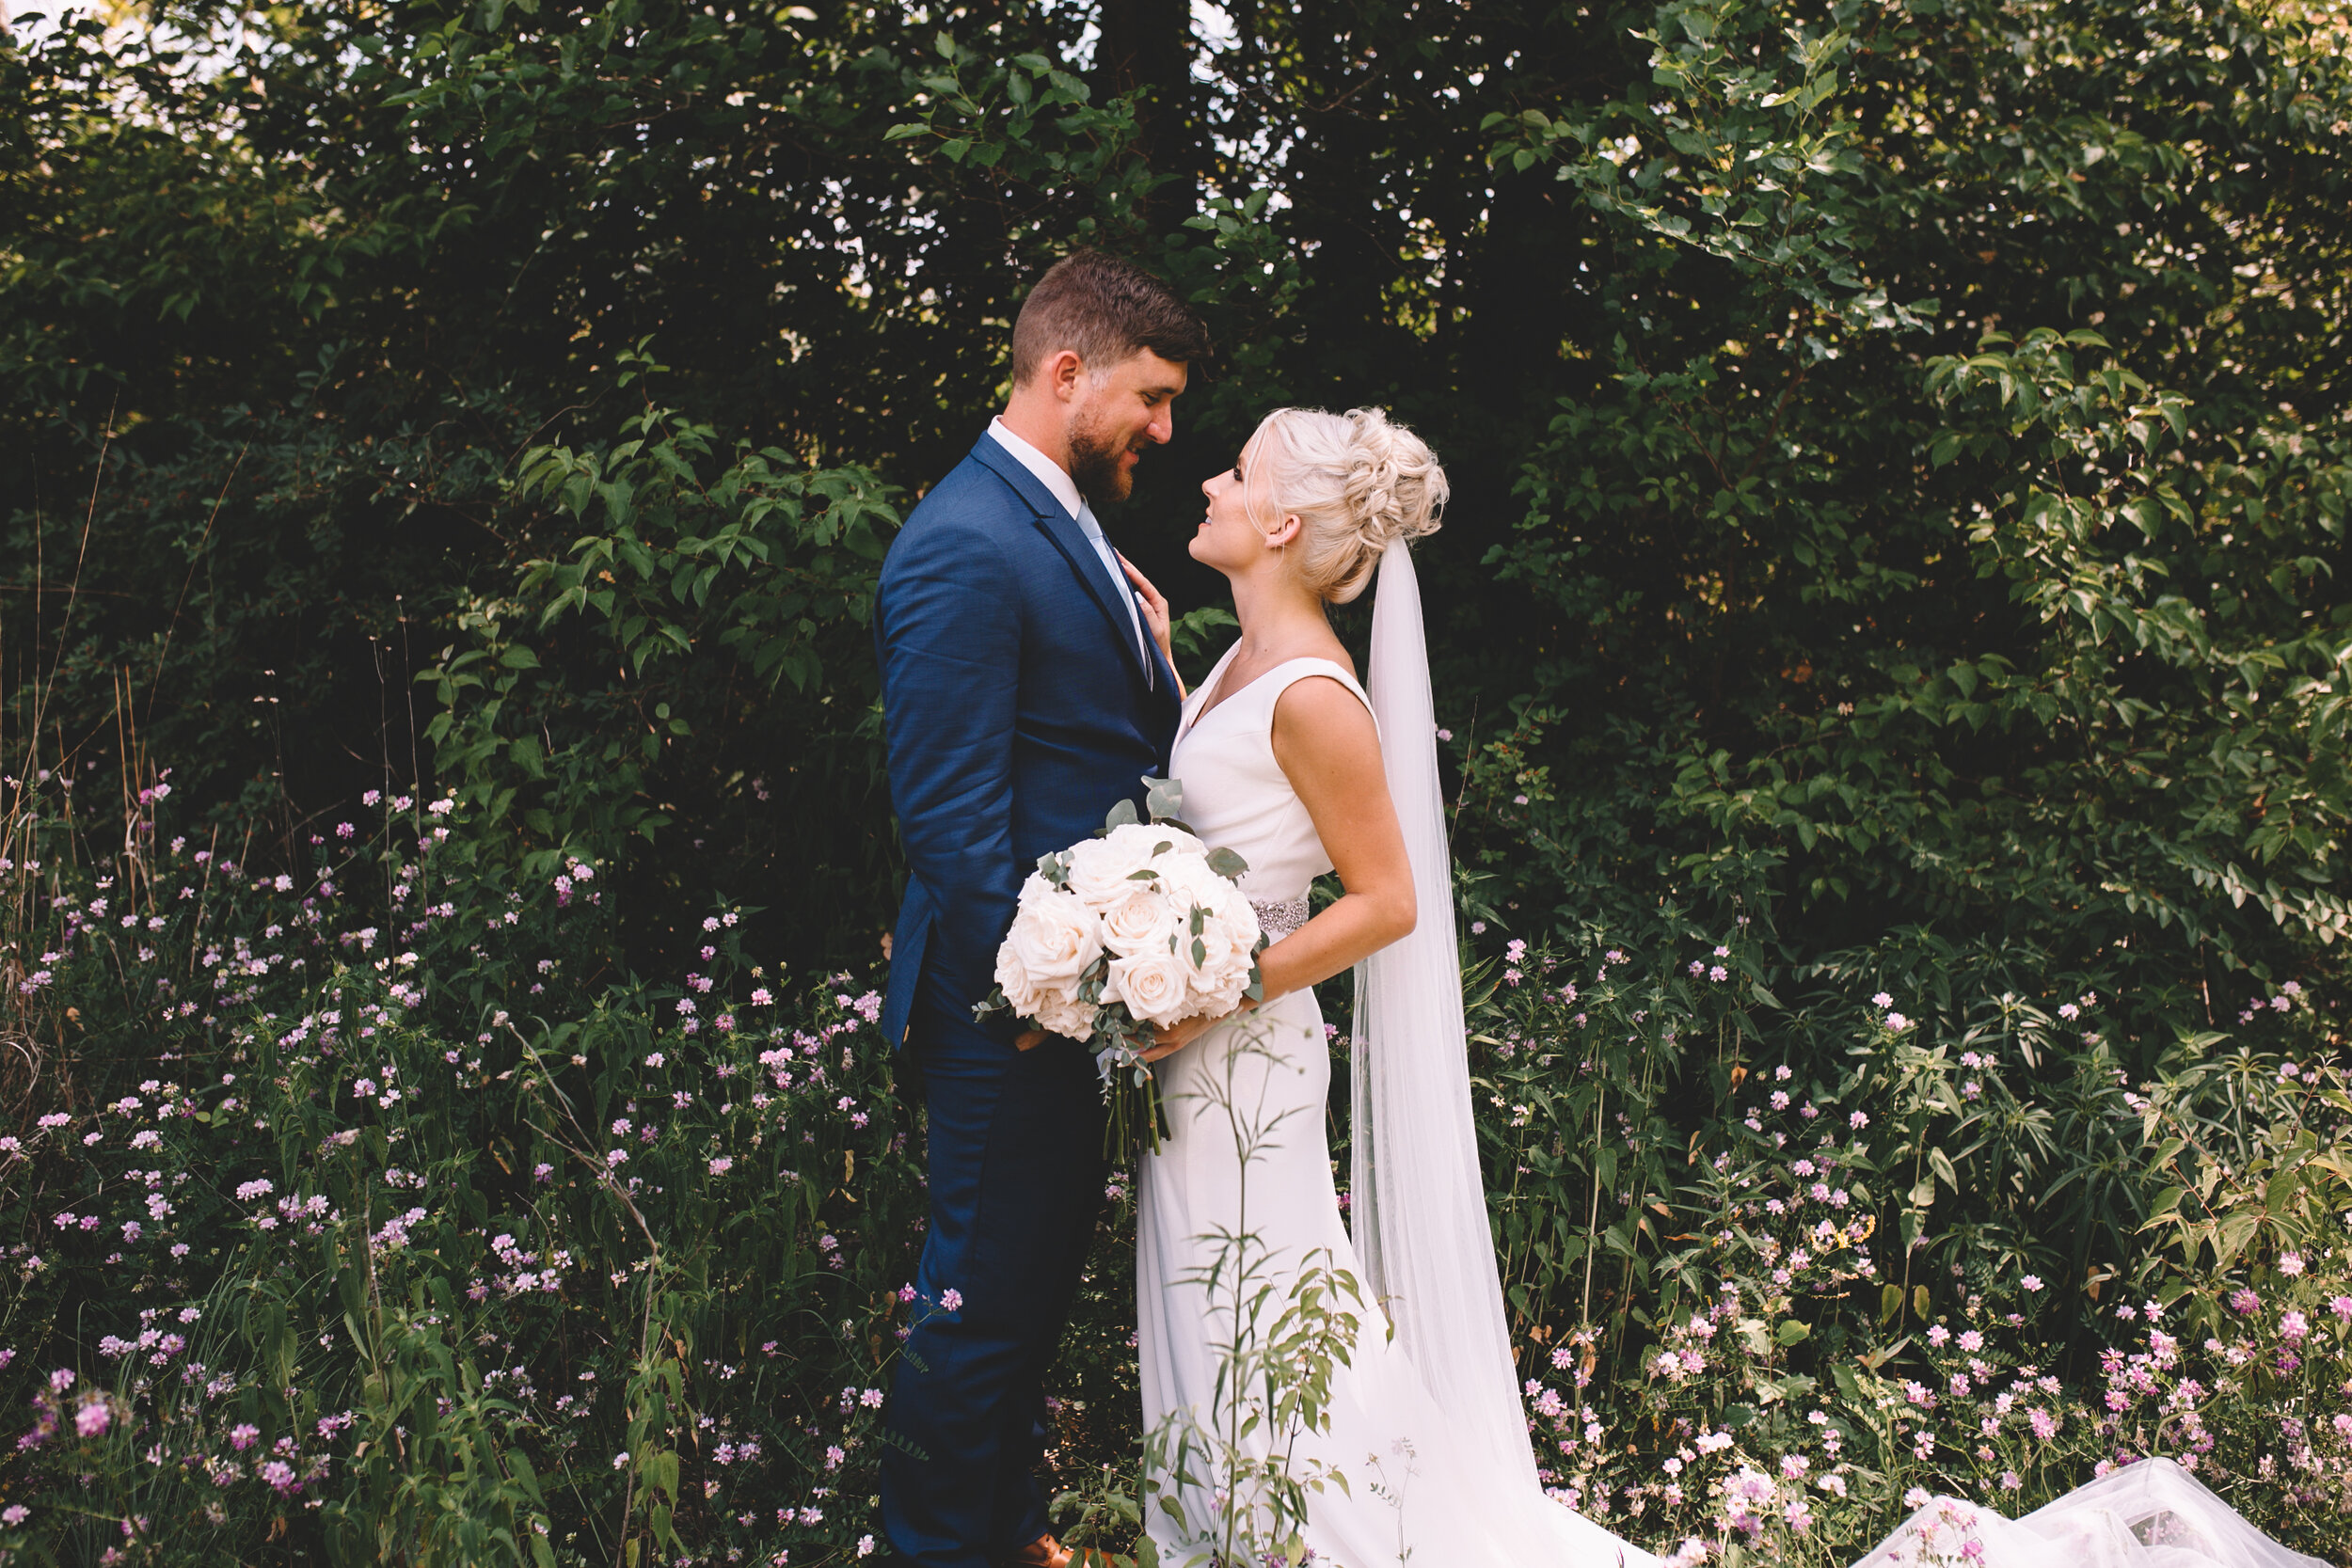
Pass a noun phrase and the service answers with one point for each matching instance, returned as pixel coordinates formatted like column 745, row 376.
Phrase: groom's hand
column 1030, row 1040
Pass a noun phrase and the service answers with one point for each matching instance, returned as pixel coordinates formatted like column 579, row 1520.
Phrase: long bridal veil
column 1420, row 1206
column 1421, row 1239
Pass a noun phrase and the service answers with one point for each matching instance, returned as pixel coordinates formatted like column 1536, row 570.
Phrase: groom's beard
column 1096, row 466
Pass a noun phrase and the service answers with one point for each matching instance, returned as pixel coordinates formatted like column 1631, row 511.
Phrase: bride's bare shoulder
column 1325, row 741
column 1316, row 709
column 1346, row 660
column 1334, row 653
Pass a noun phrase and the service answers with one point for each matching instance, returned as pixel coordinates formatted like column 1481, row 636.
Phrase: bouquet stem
column 1137, row 1120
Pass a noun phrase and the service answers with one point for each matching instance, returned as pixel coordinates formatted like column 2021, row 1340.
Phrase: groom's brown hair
column 1104, row 309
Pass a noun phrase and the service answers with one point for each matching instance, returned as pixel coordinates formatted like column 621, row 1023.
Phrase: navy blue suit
column 1018, row 709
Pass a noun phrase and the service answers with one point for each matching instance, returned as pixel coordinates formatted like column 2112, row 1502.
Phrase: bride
column 1355, row 1393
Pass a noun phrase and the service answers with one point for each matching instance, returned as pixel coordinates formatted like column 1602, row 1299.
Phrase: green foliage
column 1897, row 611
column 433, row 1482
column 704, row 635
column 1899, row 498
column 1783, row 1241
column 384, row 1233
column 1029, row 118
column 400, row 254
column 1931, row 497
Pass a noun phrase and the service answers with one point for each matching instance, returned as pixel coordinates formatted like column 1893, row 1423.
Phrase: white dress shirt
column 1064, row 489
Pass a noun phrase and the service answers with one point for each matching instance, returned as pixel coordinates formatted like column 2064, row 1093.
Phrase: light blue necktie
column 1093, row 530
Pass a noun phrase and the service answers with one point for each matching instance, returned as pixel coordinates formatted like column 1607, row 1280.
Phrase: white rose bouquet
column 1140, row 925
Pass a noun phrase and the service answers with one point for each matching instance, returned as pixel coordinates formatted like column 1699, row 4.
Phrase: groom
column 1022, row 696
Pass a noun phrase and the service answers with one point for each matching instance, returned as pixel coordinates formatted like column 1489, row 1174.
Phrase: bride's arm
column 1330, row 749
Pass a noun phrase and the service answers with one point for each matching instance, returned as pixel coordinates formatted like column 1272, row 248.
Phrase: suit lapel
column 1164, row 683
column 1062, row 529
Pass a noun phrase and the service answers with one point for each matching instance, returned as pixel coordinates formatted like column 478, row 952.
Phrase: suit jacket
column 1015, row 707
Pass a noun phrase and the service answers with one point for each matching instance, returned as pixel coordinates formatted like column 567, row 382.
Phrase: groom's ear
column 1062, row 375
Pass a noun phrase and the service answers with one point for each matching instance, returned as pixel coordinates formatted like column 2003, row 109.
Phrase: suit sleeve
column 950, row 664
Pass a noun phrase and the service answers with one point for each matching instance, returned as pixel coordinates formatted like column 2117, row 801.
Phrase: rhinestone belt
column 1278, row 920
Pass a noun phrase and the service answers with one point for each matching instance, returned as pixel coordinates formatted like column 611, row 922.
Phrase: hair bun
column 1395, row 487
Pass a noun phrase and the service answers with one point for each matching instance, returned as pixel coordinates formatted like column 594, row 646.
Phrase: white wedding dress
column 1425, row 1422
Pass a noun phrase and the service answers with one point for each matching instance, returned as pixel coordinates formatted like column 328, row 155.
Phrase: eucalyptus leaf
column 1164, row 798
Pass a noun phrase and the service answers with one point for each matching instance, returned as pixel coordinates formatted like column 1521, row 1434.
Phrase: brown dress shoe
column 1043, row 1552
column 1046, row 1552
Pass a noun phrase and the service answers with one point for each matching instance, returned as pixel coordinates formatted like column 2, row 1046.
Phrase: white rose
column 1148, row 839
column 1020, row 990
column 1178, row 842
column 1053, row 942
column 1065, row 1017
column 1185, row 865
column 1241, row 923
column 1195, row 883
column 1102, row 869
column 1223, row 902
column 1220, row 1001
column 1142, row 922
column 1210, row 954
column 1223, row 973
column 1153, row 987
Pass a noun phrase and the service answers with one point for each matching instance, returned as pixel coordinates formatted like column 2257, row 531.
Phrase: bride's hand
column 1155, row 609
column 1171, row 1038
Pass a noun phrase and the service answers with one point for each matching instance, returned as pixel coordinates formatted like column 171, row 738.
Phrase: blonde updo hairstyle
column 1353, row 481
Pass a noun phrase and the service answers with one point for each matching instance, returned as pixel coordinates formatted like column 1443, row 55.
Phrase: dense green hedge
column 1898, row 453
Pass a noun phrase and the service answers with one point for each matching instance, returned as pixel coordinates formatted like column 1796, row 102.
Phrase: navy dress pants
column 1016, row 1173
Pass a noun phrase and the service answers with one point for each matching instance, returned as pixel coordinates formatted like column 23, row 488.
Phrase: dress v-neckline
column 1213, row 686
column 1212, row 690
